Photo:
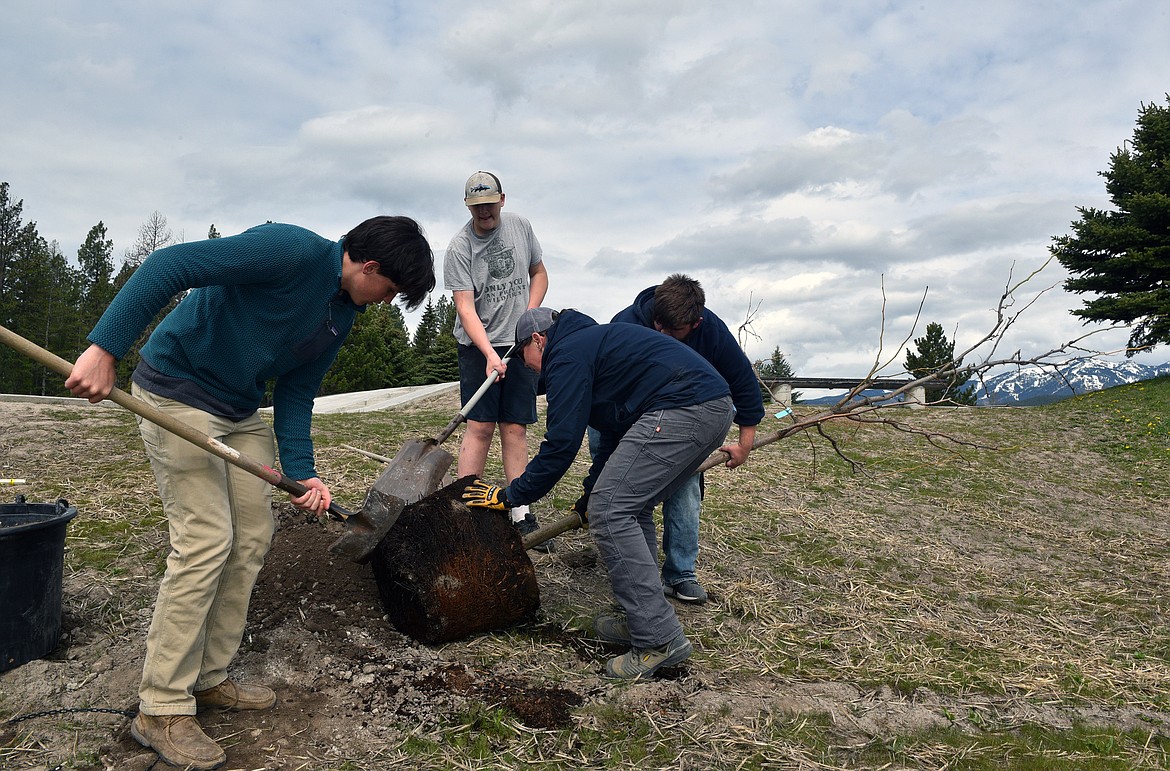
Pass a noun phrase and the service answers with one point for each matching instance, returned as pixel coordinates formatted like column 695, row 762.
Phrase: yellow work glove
column 482, row 495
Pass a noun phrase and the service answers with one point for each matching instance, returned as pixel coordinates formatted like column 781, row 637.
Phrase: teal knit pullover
column 257, row 299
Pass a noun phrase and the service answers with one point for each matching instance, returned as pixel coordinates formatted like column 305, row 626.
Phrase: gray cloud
column 789, row 155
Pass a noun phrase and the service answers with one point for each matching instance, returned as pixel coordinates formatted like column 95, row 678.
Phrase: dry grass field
column 995, row 602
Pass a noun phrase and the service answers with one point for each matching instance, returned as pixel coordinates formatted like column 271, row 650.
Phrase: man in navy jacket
column 677, row 307
column 660, row 409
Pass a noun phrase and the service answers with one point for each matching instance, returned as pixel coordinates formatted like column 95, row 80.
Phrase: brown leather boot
column 179, row 741
column 232, row 695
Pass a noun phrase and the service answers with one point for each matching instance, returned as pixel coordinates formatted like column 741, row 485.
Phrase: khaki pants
column 221, row 525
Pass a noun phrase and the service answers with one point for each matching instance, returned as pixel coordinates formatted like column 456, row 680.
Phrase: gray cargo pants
column 653, row 459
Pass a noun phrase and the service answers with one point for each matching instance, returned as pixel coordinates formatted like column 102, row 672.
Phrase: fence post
column 783, row 394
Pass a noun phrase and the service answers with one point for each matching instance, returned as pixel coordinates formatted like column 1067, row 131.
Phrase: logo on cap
column 482, row 187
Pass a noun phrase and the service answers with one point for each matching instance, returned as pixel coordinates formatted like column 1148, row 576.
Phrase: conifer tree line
column 55, row 301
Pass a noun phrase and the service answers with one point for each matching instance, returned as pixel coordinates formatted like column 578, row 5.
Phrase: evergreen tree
column 56, row 314
column 29, row 294
column 436, row 352
column 95, row 258
column 42, row 290
column 444, row 361
column 10, row 228
column 426, row 336
column 375, row 355
column 775, row 368
column 936, row 354
column 1123, row 255
column 402, row 369
column 212, row 232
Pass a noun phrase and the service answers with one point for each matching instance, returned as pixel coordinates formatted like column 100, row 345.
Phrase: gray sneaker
column 644, row 662
column 686, row 591
column 530, row 525
column 611, row 627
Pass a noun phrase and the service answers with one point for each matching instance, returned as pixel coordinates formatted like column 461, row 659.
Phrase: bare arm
column 537, row 285
column 464, row 300
column 739, row 452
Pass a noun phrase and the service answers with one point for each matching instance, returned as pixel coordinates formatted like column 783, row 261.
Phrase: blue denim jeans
column 680, row 532
column 680, row 526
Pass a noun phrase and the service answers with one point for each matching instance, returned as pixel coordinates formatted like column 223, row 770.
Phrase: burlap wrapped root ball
column 446, row 571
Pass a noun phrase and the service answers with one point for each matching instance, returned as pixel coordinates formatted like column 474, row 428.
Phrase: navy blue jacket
column 714, row 342
column 606, row 376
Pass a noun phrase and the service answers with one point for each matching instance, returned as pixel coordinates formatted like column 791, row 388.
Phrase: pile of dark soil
column 348, row 683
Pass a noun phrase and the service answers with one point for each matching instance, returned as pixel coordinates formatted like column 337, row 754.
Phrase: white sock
column 519, row 513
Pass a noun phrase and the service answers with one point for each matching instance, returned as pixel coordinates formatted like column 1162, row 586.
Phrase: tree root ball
column 446, row 571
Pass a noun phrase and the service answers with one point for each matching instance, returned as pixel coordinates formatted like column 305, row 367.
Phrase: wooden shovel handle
column 168, row 422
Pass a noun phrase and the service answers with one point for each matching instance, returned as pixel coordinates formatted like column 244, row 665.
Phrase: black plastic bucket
column 32, row 557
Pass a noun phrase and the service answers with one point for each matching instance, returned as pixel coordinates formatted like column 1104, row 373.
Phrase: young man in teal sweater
column 274, row 303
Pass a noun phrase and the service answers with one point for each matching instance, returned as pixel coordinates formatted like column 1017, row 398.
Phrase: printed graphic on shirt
column 500, row 259
column 499, row 294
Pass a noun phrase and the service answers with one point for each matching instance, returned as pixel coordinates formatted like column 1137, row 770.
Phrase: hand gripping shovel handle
column 461, row 416
column 160, row 418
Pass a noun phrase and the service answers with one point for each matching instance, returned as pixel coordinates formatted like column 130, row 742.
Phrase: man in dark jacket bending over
column 677, row 307
column 661, row 409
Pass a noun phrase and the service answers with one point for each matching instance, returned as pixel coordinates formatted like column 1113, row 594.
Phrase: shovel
column 366, row 528
column 418, row 468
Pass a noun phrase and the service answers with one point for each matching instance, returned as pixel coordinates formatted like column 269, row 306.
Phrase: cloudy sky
column 820, row 166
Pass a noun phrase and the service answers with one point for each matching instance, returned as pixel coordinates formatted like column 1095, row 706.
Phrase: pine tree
column 936, row 354
column 444, row 356
column 26, row 294
column 426, row 336
column 436, row 352
column 95, row 258
column 10, row 234
column 42, row 286
column 1123, row 256
column 775, row 368
column 56, row 314
column 375, row 355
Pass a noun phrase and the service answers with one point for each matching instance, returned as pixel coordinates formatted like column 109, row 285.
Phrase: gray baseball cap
column 534, row 320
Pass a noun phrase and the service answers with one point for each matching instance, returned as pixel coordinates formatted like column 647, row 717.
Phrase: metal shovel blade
column 365, row 530
column 411, row 475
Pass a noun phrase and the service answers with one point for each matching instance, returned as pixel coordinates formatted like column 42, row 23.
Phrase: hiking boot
column 179, row 741
column 686, row 591
column 530, row 525
column 611, row 627
column 236, row 696
column 643, row 662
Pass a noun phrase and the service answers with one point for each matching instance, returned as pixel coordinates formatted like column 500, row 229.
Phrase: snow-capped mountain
column 1036, row 385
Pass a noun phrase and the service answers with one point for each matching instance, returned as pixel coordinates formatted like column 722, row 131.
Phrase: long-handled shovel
column 417, row 469
column 365, row 528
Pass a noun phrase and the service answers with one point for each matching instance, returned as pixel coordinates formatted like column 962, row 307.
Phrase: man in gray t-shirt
column 495, row 271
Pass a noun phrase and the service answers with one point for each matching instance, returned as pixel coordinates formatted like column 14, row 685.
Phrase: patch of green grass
column 1026, row 748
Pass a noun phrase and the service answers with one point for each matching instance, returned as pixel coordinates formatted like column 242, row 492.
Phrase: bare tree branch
column 863, row 409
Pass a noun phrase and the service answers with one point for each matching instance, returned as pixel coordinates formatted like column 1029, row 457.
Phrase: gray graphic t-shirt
column 495, row 268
